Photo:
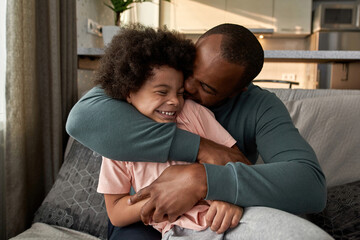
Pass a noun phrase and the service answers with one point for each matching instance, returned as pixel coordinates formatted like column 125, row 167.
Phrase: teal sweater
column 291, row 178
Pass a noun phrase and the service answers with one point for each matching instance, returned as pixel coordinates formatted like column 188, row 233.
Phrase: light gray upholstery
column 327, row 119
column 330, row 121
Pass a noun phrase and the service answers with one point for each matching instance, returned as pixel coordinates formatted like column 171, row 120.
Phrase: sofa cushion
column 331, row 125
column 42, row 231
column 341, row 217
column 297, row 94
column 73, row 201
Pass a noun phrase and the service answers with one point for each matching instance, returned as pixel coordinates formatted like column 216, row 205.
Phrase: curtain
column 40, row 91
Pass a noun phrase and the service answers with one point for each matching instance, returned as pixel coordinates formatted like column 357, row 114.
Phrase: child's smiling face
column 161, row 96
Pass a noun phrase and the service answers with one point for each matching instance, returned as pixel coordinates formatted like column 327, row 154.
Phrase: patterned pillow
column 341, row 217
column 73, row 201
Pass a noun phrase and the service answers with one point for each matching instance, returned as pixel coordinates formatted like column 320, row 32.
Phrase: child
column 147, row 69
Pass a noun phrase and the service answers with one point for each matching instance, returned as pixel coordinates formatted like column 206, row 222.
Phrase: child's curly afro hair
column 132, row 55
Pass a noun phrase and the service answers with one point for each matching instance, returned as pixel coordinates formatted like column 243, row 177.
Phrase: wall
column 98, row 12
column 306, row 73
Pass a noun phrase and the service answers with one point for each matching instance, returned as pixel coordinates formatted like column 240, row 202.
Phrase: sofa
column 328, row 119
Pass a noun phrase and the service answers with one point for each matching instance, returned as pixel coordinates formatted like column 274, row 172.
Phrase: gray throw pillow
column 73, row 201
column 341, row 217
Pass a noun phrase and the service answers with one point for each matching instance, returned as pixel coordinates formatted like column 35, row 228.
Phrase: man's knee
column 269, row 223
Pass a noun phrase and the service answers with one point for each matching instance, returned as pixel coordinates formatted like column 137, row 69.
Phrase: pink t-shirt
column 116, row 177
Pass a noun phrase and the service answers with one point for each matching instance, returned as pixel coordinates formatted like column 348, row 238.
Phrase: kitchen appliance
column 339, row 15
column 336, row 26
column 336, row 41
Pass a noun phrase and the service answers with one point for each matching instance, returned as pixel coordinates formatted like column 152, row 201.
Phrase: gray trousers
column 257, row 223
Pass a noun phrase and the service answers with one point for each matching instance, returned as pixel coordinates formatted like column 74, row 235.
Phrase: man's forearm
column 302, row 191
column 291, row 178
column 118, row 131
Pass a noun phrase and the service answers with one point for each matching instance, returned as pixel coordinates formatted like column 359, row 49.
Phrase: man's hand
column 214, row 153
column 175, row 192
column 222, row 215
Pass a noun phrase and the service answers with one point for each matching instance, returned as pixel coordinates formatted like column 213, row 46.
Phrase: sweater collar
column 229, row 102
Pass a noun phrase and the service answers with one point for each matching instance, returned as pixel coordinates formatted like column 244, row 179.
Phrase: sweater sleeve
column 291, row 178
column 116, row 130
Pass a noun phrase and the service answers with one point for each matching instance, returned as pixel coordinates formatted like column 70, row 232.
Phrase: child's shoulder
column 193, row 110
column 192, row 106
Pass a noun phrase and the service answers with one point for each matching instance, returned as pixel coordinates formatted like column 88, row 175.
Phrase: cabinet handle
column 261, row 30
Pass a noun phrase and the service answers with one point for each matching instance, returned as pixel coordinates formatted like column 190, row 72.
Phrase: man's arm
column 187, row 181
column 302, row 191
column 291, row 178
column 116, row 130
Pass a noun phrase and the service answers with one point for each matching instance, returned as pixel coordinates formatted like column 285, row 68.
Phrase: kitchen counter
column 311, row 56
column 88, row 57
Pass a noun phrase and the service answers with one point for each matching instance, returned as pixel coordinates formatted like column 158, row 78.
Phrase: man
column 228, row 58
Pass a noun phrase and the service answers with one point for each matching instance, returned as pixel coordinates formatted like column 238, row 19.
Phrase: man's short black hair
column 132, row 55
column 240, row 46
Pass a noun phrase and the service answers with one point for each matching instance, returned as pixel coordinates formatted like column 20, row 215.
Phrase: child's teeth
column 168, row 113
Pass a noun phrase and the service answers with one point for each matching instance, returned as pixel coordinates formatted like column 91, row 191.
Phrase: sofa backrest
column 330, row 121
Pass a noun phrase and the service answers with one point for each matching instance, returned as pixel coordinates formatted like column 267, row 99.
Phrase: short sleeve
column 200, row 120
column 114, row 178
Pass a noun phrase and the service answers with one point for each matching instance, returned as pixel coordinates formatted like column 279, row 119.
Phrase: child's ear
column 128, row 98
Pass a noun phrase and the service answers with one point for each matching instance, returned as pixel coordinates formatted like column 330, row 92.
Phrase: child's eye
column 181, row 93
column 161, row 92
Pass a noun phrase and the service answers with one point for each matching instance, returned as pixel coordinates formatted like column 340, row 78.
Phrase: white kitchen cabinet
column 251, row 14
column 198, row 16
column 284, row 17
column 292, row 17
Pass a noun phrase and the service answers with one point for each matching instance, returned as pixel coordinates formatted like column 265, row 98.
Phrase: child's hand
column 222, row 215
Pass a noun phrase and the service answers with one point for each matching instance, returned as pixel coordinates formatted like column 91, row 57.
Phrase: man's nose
column 190, row 86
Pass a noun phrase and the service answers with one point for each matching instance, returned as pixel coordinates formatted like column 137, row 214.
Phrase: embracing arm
column 116, row 130
column 291, row 178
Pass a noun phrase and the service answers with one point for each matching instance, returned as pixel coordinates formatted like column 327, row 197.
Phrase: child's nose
column 174, row 100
